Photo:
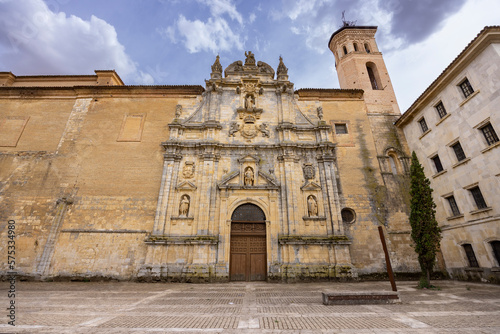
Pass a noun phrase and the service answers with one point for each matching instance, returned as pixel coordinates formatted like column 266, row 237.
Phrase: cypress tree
column 425, row 231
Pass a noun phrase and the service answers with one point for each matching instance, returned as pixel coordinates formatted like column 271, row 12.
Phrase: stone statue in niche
column 312, row 206
column 309, row 171
column 188, row 170
column 184, row 206
column 249, row 102
column 178, row 111
column 248, row 177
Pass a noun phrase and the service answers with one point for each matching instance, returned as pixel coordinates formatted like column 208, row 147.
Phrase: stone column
column 331, row 194
column 170, row 164
column 206, row 191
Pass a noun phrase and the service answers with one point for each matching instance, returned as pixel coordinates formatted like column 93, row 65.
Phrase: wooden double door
column 248, row 248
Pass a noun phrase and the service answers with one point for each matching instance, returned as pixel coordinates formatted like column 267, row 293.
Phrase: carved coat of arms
column 188, row 170
column 309, row 171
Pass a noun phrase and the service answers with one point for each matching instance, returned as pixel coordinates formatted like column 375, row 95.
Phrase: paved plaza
column 125, row 307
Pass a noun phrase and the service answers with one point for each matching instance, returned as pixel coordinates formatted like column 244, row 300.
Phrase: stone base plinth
column 363, row 297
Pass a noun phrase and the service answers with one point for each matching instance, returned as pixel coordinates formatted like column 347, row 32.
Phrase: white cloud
column 36, row 40
column 303, row 7
column 252, row 17
column 215, row 35
column 221, row 7
column 295, row 30
column 168, row 32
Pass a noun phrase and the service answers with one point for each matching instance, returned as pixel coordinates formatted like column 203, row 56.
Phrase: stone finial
column 282, row 70
column 216, row 69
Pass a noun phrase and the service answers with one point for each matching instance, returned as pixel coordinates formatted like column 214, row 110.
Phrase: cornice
column 99, row 91
column 318, row 93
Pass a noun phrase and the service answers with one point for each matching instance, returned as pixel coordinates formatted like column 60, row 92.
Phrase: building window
column 495, row 245
column 453, row 205
column 441, row 110
column 471, row 257
column 393, row 165
column 355, row 45
column 367, row 48
column 341, row 128
column 423, row 125
column 489, row 134
column 466, row 88
column 437, row 163
column 371, row 75
column 478, row 197
column 345, row 49
column 459, row 152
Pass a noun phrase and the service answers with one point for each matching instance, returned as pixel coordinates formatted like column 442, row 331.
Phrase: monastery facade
column 246, row 179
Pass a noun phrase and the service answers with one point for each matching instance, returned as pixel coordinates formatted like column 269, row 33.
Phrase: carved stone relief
column 234, row 127
column 178, row 111
column 309, row 171
column 188, row 170
column 320, row 113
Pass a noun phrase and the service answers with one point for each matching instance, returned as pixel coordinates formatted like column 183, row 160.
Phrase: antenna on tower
column 346, row 23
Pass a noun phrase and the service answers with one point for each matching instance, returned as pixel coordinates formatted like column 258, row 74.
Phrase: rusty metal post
column 387, row 259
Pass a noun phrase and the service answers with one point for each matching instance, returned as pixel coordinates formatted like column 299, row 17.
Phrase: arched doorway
column 248, row 244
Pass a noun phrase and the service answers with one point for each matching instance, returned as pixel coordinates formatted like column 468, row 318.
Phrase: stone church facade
column 246, row 179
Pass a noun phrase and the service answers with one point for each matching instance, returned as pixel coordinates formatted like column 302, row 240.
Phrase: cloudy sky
column 175, row 42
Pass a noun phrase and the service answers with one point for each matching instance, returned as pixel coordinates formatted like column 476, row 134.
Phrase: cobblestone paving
column 111, row 307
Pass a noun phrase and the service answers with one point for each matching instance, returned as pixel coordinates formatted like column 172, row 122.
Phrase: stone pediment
column 249, row 158
column 264, row 181
column 310, row 186
column 186, row 185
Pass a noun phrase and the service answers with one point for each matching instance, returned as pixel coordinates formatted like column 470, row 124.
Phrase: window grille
column 453, row 206
column 489, row 134
column 466, row 88
column 437, row 163
column 459, row 152
column 423, row 125
column 441, row 110
column 478, row 197
column 471, row 257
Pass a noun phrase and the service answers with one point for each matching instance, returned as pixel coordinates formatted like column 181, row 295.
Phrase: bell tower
column 360, row 65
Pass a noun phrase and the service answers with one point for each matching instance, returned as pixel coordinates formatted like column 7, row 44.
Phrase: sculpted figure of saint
column 248, row 181
column 249, row 103
column 184, row 206
column 312, row 206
